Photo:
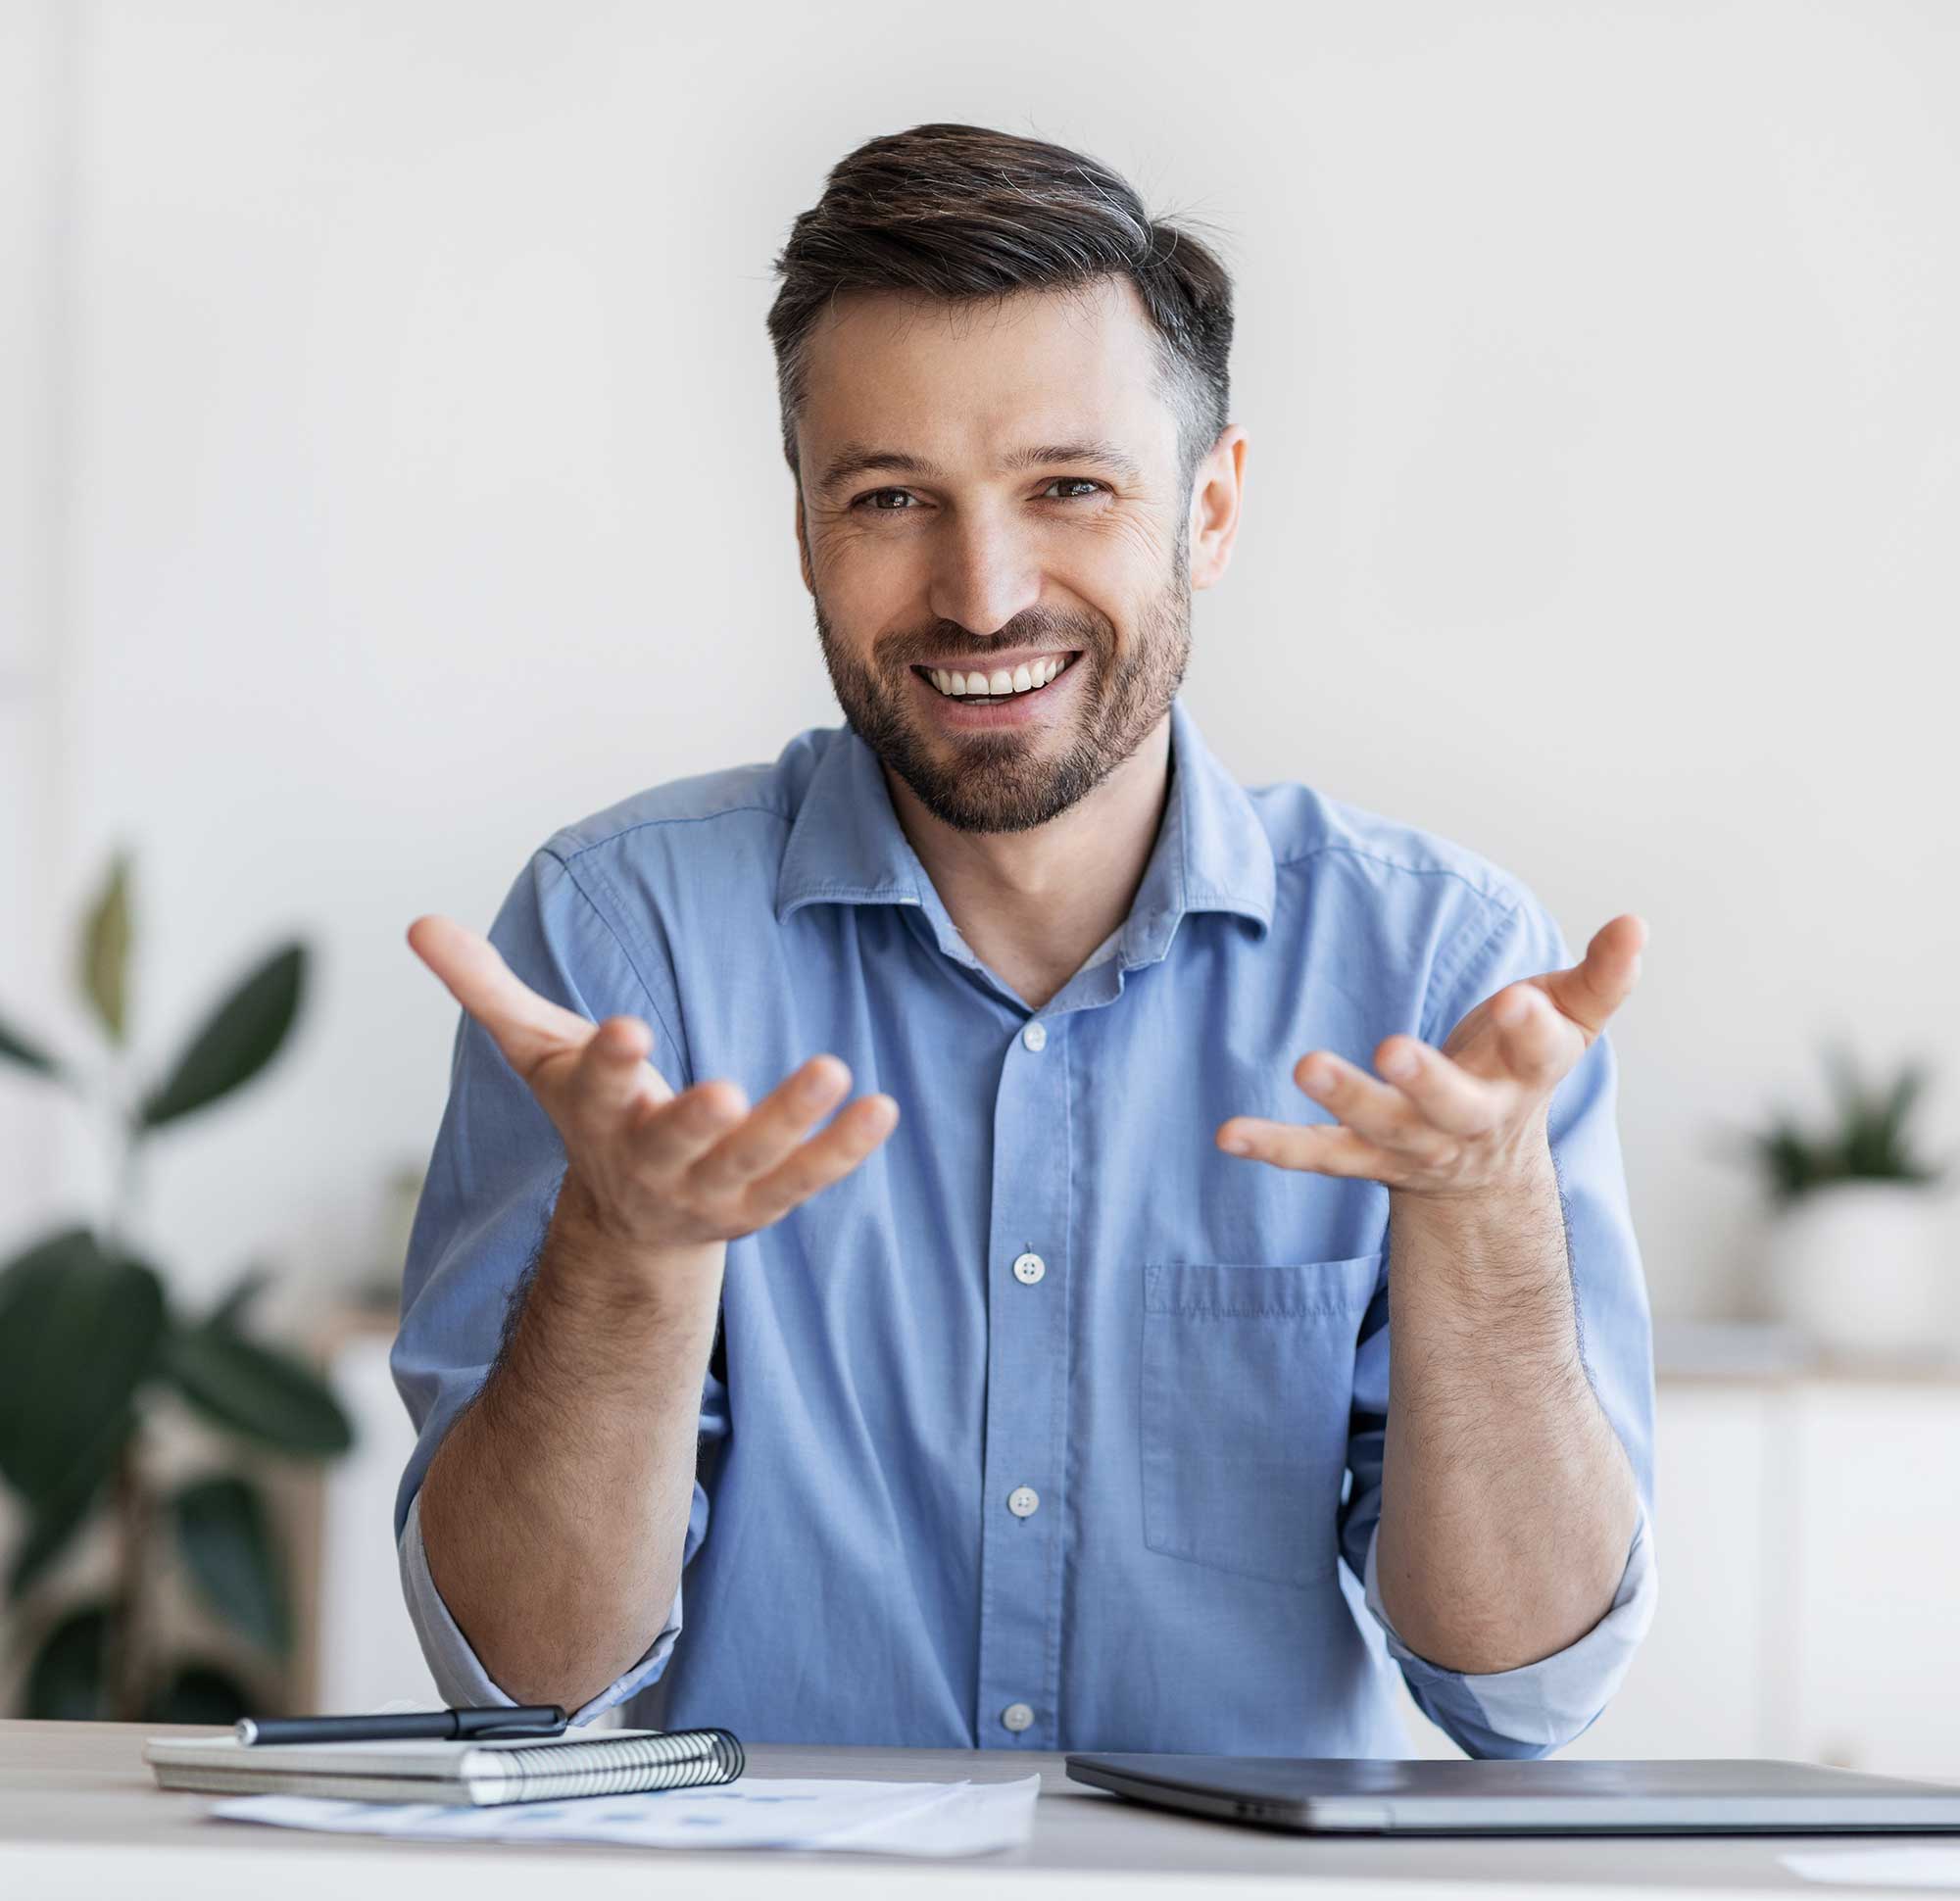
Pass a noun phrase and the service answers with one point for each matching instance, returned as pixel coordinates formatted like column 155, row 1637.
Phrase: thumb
column 524, row 1026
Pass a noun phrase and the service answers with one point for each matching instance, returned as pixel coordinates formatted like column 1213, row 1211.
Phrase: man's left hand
column 1469, row 1117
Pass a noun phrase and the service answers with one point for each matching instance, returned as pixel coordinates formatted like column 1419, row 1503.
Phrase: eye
column 866, row 501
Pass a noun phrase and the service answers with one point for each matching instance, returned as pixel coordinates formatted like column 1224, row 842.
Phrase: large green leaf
column 228, row 1547
column 16, row 1049
column 257, row 1391
column 200, row 1692
column 237, row 1040
column 67, row 1680
column 105, row 950
column 54, row 1519
column 78, row 1331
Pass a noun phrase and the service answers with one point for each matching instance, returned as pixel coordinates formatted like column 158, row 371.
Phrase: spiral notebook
column 613, row 1762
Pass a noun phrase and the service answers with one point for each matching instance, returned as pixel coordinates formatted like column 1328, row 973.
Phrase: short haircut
column 956, row 214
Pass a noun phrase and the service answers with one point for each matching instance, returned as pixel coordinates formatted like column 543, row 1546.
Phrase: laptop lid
column 1547, row 1796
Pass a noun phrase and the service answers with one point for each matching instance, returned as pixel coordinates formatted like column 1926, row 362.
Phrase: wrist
column 1500, row 1242
column 1520, row 1177
column 588, row 1259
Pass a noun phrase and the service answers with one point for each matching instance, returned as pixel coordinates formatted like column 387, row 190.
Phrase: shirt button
column 1035, row 1035
column 1023, row 1501
column 1017, row 1717
column 1029, row 1269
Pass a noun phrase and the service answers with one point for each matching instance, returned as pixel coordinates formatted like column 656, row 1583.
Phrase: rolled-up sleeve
column 1541, row 1706
column 459, row 1673
column 492, row 1184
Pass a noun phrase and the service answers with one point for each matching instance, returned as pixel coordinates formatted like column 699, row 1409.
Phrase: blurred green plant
column 90, row 1345
column 1870, row 1142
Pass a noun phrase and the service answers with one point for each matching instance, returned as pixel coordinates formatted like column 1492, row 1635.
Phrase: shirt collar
column 1211, row 854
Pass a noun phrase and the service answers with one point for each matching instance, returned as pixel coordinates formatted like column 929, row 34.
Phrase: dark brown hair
column 960, row 213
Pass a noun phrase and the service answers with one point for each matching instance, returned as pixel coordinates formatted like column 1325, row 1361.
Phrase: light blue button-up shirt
column 1050, row 1426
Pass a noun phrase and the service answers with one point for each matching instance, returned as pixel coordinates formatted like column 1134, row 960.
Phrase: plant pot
column 1858, row 1268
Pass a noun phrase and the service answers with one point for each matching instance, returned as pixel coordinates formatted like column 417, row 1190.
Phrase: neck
column 1033, row 904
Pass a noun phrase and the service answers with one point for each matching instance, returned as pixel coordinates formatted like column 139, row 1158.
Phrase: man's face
column 980, row 560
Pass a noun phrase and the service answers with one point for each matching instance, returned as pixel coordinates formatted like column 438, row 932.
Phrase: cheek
column 1129, row 545
column 862, row 566
column 861, row 586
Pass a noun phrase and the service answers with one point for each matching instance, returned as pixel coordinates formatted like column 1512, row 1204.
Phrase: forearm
column 554, row 1511
column 1508, row 1504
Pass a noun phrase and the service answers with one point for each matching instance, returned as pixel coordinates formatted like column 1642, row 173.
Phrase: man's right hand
column 656, row 1170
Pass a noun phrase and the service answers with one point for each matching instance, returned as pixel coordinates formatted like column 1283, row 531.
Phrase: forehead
column 964, row 383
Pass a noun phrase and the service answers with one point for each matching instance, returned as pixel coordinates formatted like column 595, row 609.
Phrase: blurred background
column 389, row 474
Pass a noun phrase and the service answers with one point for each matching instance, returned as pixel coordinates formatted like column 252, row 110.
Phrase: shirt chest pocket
column 1248, row 1377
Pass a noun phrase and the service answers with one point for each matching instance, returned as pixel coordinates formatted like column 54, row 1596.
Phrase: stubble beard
column 1010, row 781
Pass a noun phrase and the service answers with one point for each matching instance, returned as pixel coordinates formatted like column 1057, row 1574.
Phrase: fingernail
column 1400, row 1064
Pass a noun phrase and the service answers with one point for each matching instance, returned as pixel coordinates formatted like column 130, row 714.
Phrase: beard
column 1011, row 781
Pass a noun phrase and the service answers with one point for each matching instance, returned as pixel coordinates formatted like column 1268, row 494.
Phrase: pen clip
column 519, row 1722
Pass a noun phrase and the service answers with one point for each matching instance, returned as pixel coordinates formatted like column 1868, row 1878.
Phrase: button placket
column 1023, row 1504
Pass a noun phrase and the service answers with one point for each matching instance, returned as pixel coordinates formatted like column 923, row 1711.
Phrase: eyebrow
column 858, row 458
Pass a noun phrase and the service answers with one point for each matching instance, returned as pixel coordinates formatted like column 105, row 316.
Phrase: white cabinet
column 1808, row 1536
column 1874, row 1567
column 359, row 1650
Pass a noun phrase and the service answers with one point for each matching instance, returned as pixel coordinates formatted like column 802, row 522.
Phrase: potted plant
column 1853, row 1248
column 92, row 1348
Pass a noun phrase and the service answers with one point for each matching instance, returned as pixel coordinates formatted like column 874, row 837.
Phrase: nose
column 983, row 573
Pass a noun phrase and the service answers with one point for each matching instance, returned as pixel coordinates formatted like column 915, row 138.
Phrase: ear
column 1214, row 507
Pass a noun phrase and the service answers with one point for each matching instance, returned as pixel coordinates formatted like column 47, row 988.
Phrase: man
column 1041, row 1398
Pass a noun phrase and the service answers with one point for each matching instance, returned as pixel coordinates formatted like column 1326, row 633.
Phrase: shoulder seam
column 1506, row 904
column 665, row 818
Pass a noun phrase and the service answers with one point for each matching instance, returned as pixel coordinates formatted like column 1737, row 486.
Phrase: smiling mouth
column 938, row 677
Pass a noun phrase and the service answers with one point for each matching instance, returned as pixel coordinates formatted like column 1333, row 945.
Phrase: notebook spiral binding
column 683, row 1758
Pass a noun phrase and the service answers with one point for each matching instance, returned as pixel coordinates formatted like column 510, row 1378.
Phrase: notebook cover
column 440, row 1770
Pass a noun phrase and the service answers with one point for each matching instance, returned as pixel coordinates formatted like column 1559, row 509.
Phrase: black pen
column 515, row 1719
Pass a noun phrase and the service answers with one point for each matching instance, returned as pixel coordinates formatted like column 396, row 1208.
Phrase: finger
column 777, row 1123
column 524, row 1026
column 1444, row 1091
column 822, row 1159
column 1317, row 1148
column 679, row 1131
column 612, row 1078
column 1375, row 1110
column 1536, row 1041
column 1605, row 978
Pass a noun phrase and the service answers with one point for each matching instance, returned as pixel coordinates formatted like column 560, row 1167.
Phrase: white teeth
column 1023, row 678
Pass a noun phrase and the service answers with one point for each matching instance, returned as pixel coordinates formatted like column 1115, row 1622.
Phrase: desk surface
column 80, row 1814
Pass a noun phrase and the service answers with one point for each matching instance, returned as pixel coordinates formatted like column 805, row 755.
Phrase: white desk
column 81, row 1815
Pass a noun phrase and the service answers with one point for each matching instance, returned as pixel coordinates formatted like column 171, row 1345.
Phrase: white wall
column 37, row 142
column 419, row 490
